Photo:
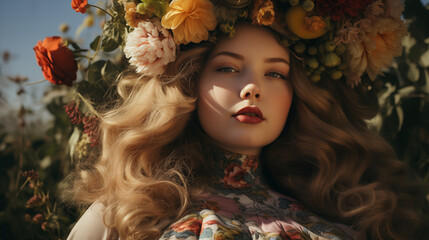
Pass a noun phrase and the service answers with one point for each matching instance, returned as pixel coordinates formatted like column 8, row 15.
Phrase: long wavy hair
column 152, row 157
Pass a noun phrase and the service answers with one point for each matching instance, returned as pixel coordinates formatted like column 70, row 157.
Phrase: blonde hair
column 152, row 153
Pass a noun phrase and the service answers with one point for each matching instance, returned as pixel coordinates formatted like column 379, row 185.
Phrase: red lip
column 243, row 115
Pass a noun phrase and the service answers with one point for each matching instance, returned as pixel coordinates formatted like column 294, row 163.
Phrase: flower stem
column 34, row 83
column 90, row 5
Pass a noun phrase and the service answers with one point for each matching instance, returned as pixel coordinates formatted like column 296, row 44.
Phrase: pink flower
column 150, row 47
column 38, row 218
column 34, row 201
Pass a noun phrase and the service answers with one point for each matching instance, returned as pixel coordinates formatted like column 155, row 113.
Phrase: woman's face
column 244, row 91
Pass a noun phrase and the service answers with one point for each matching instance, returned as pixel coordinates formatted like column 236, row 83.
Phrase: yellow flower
column 190, row 20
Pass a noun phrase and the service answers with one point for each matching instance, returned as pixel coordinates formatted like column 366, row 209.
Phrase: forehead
column 252, row 40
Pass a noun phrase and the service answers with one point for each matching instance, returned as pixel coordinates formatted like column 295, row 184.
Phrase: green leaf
column 93, row 73
column 73, row 140
column 94, row 44
column 109, row 44
column 400, row 115
column 413, row 73
column 74, row 45
column 109, row 71
column 114, row 30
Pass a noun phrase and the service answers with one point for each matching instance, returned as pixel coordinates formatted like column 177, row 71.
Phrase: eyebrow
column 240, row 57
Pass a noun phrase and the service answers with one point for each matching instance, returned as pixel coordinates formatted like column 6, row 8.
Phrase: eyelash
column 232, row 70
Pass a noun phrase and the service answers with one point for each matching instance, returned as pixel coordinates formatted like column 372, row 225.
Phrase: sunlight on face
column 244, row 91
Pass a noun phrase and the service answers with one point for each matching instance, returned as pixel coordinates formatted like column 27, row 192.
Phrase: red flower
column 79, row 5
column 234, row 175
column 338, row 9
column 57, row 61
column 90, row 126
column 72, row 110
column 292, row 235
column 192, row 224
column 250, row 163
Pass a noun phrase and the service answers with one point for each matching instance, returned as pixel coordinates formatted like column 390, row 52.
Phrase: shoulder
column 91, row 226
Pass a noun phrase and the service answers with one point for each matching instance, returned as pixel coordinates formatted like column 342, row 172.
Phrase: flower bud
column 336, row 74
column 64, row 27
column 313, row 63
column 315, row 77
column 331, row 60
column 312, row 50
column 330, row 46
column 340, row 49
column 100, row 12
column 44, row 226
column 308, row 5
column 299, row 48
column 38, row 218
column 293, row 2
column 89, row 21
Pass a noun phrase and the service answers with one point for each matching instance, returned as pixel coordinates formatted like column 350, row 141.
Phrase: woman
column 232, row 139
column 222, row 143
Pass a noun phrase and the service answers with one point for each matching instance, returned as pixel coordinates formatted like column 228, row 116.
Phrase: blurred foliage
column 30, row 207
column 404, row 101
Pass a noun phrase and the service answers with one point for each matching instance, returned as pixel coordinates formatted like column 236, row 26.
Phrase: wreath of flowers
column 336, row 39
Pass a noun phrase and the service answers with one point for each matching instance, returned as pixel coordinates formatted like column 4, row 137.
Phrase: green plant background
column 403, row 120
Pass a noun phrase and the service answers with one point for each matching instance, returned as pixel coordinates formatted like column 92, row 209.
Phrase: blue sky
column 22, row 24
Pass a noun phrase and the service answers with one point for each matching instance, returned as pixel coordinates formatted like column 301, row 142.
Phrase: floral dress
column 243, row 207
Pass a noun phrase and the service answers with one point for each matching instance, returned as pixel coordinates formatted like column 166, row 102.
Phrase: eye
column 227, row 70
column 275, row 75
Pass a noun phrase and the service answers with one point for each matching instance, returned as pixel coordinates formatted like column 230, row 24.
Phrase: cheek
column 280, row 102
column 211, row 106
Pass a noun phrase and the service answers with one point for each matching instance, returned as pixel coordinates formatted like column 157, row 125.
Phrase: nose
column 251, row 91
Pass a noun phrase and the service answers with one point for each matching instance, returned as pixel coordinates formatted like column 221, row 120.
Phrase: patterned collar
column 235, row 170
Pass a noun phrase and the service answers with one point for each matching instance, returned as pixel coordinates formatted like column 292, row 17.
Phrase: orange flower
column 190, row 20
column 263, row 12
column 57, row 61
column 381, row 40
column 131, row 15
column 79, row 5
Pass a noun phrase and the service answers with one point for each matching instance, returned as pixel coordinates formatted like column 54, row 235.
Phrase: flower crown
column 336, row 39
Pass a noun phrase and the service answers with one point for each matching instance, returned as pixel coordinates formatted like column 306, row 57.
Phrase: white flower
column 150, row 47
